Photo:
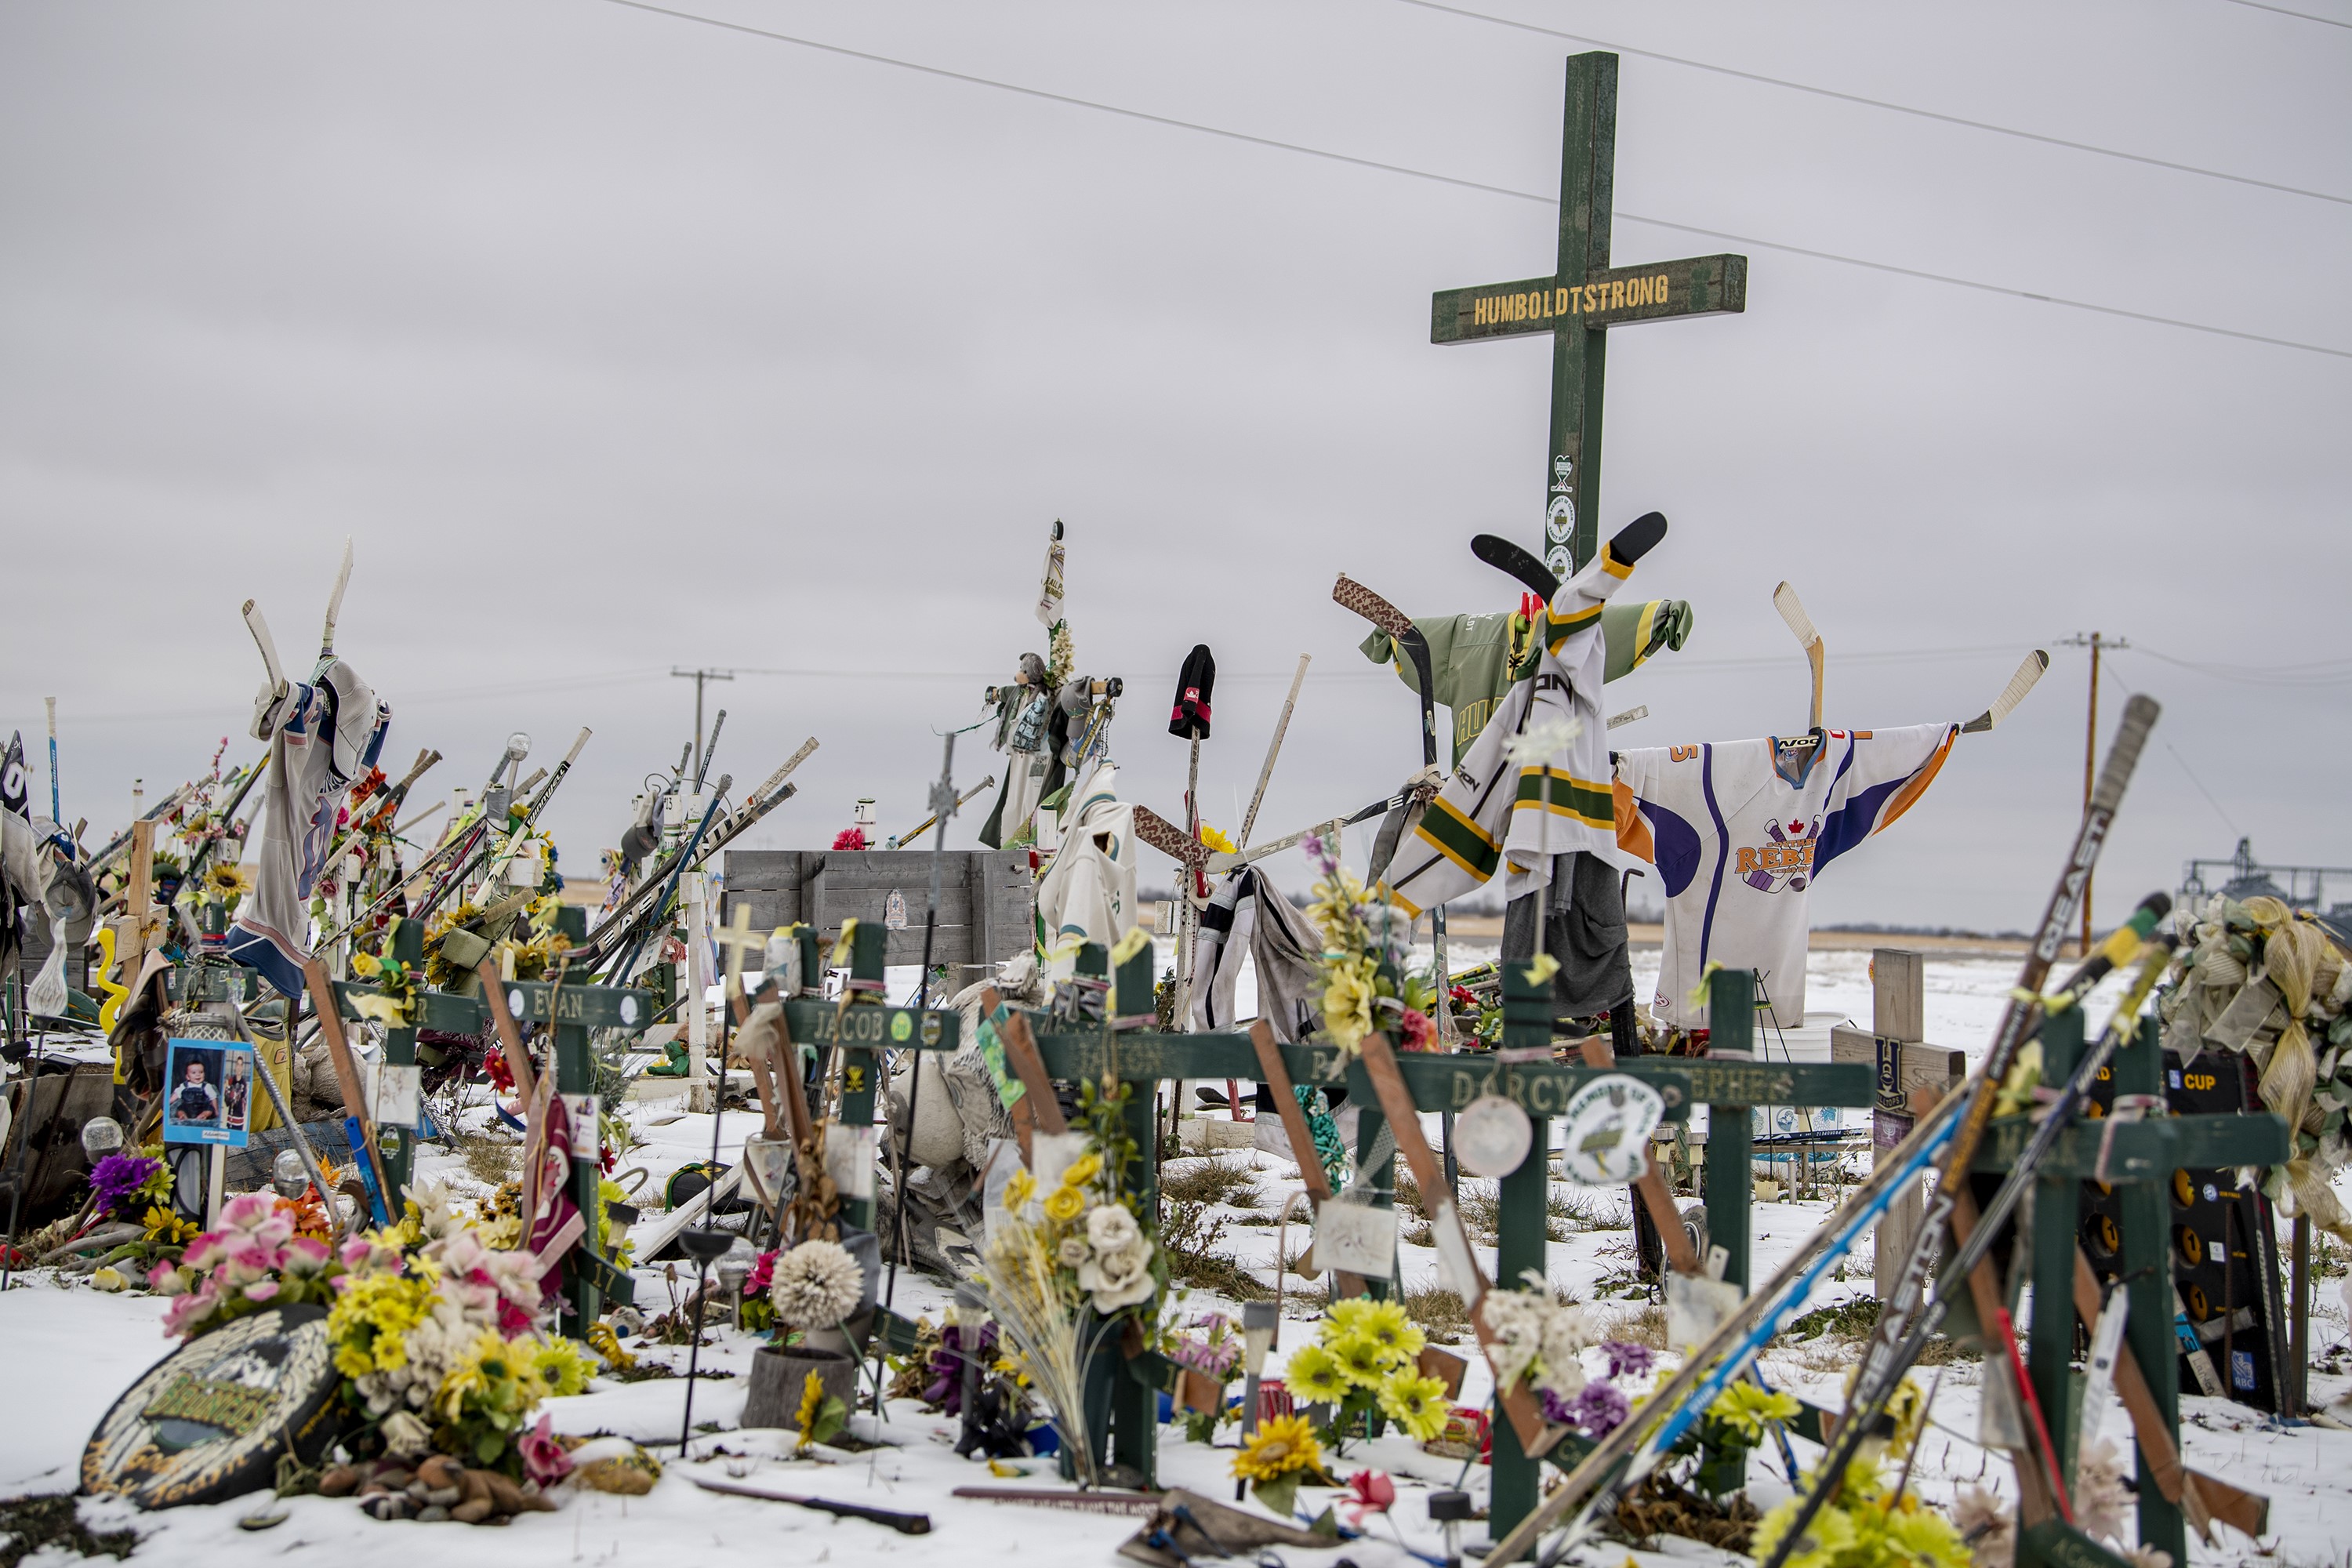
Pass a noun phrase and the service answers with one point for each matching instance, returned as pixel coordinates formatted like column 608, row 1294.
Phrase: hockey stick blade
column 796, row 760
column 1793, row 610
column 1168, row 839
column 1631, row 716
column 2010, row 695
column 335, row 603
column 1350, row 594
column 1518, row 562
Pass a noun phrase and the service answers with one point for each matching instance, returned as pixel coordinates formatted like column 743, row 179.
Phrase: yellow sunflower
column 1282, row 1445
column 1363, row 1358
column 1415, row 1404
column 1316, row 1377
column 1386, row 1321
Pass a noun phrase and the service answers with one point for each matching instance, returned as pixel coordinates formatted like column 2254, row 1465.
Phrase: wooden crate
column 987, row 898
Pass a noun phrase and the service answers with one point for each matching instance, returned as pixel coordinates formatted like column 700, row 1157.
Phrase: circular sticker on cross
column 1608, row 1122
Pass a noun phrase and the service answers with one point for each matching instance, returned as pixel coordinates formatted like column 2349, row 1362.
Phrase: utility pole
column 2094, row 642
column 699, row 677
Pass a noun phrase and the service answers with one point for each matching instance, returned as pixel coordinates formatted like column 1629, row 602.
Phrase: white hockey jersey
column 1089, row 892
column 1740, row 831
column 1535, row 783
column 321, row 737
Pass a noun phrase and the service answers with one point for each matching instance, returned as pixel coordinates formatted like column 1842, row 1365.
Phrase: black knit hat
column 1188, row 719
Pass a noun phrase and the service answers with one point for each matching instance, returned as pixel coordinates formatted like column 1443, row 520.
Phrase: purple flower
column 1628, row 1360
column 116, row 1180
column 1598, row 1409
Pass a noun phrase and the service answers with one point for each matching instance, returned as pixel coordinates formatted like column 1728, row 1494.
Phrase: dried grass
column 1210, row 1180
column 1439, row 1312
column 1193, row 1242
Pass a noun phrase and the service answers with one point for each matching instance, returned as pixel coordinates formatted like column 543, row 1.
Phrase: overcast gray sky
column 621, row 341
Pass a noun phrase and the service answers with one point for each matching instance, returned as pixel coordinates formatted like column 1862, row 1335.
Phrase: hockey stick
column 1622, row 1457
column 621, row 923
column 1630, row 715
column 335, row 607
column 2028, row 673
column 961, row 801
column 1273, row 750
column 1353, row 596
column 1793, row 610
column 1908, row 1316
column 702, row 770
column 1518, row 562
column 274, row 673
column 1220, row 860
column 1170, row 840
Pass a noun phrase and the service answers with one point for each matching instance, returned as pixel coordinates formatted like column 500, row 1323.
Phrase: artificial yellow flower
column 1386, row 1321
column 1363, row 1358
column 1415, row 1404
column 224, row 879
column 1066, row 1205
column 1282, row 1445
column 1019, row 1188
column 1217, row 840
column 1316, row 1377
column 1348, row 1313
column 1829, row 1534
column 1347, row 1003
column 812, row 1406
column 168, row 1228
column 1083, row 1171
column 561, row 1365
column 370, row 1320
column 1745, row 1408
column 366, row 965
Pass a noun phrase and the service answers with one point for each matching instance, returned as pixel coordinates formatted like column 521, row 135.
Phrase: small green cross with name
column 1583, row 298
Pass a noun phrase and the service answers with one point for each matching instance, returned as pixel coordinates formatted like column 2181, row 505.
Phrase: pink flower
column 262, row 1291
column 1369, row 1491
column 512, row 1319
column 165, row 1280
column 247, row 1211
column 1420, row 1034
column 205, row 1252
column 545, row 1460
column 304, row 1256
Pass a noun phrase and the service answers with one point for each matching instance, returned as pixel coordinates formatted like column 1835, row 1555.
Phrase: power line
column 1434, row 177
column 2301, row 15
column 1892, row 107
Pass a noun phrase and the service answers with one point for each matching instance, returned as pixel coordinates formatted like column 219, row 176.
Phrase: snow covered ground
column 68, row 1352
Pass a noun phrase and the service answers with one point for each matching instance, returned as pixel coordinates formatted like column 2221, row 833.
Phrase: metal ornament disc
column 1609, row 1123
column 1491, row 1136
column 211, row 1420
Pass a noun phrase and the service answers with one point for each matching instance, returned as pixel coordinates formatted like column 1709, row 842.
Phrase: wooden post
column 2138, row 1069
column 1730, row 1129
column 399, row 1143
column 1523, row 1231
column 1898, row 1018
column 2057, row 1221
column 861, row 1071
column 1135, row 1401
column 575, row 1079
column 1583, row 298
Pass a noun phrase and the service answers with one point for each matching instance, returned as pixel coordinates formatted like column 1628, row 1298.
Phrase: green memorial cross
column 867, row 1034
column 1582, row 299
column 589, row 1278
column 2141, row 1157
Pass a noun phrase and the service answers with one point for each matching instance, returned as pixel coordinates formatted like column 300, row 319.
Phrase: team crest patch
column 1609, row 1123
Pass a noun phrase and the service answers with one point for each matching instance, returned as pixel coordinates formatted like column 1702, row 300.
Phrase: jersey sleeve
column 1648, row 825
column 1882, row 774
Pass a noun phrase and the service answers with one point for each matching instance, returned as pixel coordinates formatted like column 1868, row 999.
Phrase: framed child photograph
column 210, row 1095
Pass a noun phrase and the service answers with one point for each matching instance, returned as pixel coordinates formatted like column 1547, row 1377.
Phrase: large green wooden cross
column 1579, row 303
